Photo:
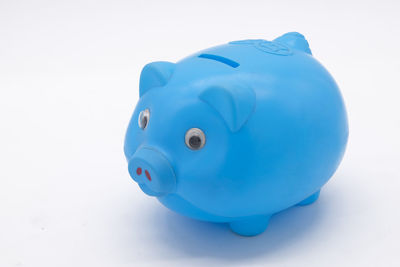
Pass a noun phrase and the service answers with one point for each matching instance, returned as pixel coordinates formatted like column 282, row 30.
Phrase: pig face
column 179, row 138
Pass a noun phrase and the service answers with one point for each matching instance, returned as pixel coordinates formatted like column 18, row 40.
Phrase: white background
column 69, row 76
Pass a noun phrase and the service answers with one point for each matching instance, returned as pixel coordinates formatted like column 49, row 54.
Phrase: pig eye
column 143, row 119
column 195, row 139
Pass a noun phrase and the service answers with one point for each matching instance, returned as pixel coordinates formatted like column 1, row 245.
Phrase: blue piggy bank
column 237, row 132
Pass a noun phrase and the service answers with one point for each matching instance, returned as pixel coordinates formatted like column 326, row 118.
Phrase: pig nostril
column 139, row 171
column 147, row 175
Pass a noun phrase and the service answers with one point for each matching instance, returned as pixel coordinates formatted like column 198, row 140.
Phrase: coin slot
column 223, row 60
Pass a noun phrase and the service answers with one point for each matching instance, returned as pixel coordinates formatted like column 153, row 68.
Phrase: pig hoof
column 250, row 227
column 311, row 199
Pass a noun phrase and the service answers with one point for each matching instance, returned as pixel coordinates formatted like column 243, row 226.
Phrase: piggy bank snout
column 152, row 171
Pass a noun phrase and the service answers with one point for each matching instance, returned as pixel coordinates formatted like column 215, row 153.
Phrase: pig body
column 237, row 132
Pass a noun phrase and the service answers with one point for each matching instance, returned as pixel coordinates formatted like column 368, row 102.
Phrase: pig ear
column 155, row 74
column 235, row 104
column 294, row 40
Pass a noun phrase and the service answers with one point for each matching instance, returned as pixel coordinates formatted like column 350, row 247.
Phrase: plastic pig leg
column 251, row 226
column 311, row 199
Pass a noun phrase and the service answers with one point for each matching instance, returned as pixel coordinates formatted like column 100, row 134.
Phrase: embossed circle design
column 266, row 46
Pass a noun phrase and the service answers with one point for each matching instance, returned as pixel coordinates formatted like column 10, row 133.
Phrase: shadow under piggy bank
column 215, row 240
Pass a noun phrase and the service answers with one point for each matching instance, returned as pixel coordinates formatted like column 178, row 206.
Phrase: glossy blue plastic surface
column 275, row 126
